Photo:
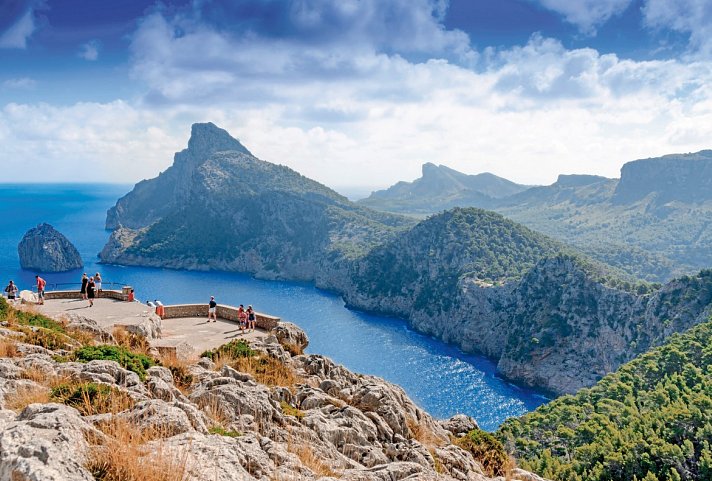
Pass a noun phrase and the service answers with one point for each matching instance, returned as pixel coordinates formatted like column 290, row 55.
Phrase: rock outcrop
column 326, row 423
column 45, row 249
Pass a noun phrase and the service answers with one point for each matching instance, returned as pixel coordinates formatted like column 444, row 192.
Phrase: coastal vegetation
column 650, row 420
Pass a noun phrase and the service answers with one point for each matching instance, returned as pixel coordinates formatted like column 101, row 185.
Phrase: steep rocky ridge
column 442, row 188
column 45, row 249
column 224, row 424
column 655, row 222
column 232, row 211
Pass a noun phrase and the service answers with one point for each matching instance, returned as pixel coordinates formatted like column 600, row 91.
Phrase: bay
column 438, row 377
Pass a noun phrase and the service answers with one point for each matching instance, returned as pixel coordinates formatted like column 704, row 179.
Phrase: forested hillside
column 651, row 420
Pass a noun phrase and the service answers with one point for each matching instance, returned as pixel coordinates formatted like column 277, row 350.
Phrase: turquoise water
column 438, row 377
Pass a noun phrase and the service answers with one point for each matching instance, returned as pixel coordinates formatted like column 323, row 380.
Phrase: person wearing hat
column 212, row 308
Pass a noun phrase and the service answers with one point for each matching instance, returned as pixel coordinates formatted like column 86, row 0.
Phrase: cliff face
column 551, row 320
column 226, row 209
column 679, row 177
column 45, row 249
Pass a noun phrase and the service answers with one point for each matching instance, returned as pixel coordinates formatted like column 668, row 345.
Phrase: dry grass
column 268, row 370
column 41, row 376
column 26, row 395
column 215, row 412
column 91, row 398
column 124, row 456
column 293, row 349
column 8, row 348
column 423, row 434
column 309, row 459
column 130, row 340
column 179, row 368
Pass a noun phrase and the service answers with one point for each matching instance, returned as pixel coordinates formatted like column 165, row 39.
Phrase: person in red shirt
column 41, row 283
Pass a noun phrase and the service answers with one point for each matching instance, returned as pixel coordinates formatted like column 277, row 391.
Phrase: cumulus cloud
column 693, row 17
column 355, row 110
column 18, row 21
column 587, row 15
column 90, row 50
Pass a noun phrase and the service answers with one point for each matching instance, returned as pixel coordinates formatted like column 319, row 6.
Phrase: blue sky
column 354, row 92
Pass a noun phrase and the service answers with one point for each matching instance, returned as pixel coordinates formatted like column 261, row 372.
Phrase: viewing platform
column 183, row 328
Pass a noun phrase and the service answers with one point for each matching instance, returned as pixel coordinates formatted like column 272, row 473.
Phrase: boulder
column 35, row 446
column 45, row 249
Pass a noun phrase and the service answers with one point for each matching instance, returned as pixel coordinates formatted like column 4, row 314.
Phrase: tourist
column 250, row 318
column 83, row 291
column 97, row 282
column 11, row 291
column 242, row 317
column 41, row 284
column 91, row 293
column 212, row 309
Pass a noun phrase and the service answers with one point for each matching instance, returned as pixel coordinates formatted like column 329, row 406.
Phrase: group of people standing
column 246, row 317
column 91, row 286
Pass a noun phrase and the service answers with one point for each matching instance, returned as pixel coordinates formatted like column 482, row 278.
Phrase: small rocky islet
column 257, row 411
column 45, row 249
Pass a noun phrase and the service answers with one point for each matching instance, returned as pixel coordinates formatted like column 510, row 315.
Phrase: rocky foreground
column 263, row 412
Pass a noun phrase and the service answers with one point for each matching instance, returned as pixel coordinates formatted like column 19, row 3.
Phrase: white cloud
column 587, row 15
column 693, row 17
column 90, row 50
column 16, row 36
column 24, row 83
column 354, row 112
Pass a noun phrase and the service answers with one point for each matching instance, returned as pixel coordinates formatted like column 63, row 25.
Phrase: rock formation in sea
column 45, row 249
column 268, row 412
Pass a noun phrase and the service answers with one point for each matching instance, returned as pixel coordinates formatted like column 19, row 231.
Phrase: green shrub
column 132, row 361
column 91, row 398
column 233, row 349
column 291, row 411
column 487, row 450
column 224, row 432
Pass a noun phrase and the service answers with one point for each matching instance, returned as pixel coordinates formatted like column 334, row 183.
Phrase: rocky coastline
column 215, row 418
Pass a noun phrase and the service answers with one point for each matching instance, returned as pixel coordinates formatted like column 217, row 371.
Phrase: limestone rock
column 459, row 424
column 35, row 446
column 291, row 334
column 45, row 249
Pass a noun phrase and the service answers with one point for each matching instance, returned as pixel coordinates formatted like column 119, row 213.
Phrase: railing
column 76, row 286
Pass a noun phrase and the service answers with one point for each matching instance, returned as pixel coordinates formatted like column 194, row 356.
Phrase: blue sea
column 438, row 377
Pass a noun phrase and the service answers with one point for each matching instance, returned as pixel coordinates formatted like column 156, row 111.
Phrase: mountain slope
column 441, row 188
column 226, row 209
column 654, row 223
column 650, row 420
column 550, row 318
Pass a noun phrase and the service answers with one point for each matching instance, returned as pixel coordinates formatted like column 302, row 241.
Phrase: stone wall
column 263, row 321
column 105, row 293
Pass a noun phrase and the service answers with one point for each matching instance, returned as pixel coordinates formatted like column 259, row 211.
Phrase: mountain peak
column 207, row 138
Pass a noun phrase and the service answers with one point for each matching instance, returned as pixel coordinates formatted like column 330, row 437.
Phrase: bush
column 487, row 450
column 233, row 349
column 137, row 363
column 91, row 398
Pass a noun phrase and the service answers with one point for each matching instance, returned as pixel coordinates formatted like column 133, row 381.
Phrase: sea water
column 438, row 377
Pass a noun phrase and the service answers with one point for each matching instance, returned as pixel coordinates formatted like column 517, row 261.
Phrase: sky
column 356, row 94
